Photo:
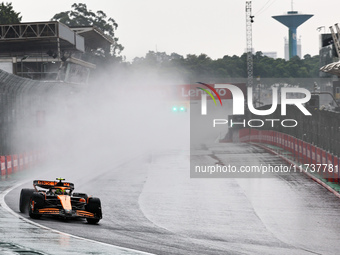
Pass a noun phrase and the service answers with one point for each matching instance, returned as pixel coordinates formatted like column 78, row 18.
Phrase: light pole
column 258, row 90
column 22, row 68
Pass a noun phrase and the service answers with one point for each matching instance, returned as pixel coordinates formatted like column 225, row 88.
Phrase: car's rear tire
column 36, row 202
column 25, row 196
column 94, row 206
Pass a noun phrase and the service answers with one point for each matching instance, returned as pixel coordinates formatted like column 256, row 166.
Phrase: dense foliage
column 8, row 15
column 81, row 16
column 230, row 66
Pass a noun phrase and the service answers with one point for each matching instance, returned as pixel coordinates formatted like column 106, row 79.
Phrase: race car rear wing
column 51, row 184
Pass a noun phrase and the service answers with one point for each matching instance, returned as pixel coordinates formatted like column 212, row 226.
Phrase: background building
column 50, row 50
column 270, row 54
column 298, row 48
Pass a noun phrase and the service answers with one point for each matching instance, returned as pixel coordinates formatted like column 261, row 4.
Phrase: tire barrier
column 313, row 159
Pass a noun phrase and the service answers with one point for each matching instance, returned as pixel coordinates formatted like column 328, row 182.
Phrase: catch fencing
column 321, row 129
column 25, row 106
column 312, row 158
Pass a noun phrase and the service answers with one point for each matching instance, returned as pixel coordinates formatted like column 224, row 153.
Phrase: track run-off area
column 151, row 205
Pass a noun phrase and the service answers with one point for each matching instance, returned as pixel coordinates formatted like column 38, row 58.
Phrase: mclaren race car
column 56, row 198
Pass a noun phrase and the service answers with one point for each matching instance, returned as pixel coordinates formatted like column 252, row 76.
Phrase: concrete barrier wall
column 306, row 155
column 11, row 164
column 322, row 128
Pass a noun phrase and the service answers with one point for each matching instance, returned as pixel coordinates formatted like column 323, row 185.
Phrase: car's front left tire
column 36, row 202
column 94, row 206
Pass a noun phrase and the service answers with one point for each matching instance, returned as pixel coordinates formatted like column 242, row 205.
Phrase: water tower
column 292, row 20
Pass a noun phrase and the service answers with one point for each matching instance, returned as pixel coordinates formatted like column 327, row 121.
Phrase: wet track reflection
column 151, row 204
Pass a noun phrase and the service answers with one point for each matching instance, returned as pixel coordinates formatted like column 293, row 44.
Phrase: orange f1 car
column 57, row 199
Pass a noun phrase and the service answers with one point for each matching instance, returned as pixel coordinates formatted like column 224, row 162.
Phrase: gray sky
column 214, row 27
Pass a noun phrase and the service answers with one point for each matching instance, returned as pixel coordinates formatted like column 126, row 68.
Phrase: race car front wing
column 63, row 213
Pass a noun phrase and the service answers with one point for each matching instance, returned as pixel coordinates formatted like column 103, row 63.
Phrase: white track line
column 6, row 207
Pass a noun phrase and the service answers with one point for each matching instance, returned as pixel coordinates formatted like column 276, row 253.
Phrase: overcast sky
column 214, row 27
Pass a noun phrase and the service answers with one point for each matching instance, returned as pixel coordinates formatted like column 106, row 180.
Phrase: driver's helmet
column 59, row 192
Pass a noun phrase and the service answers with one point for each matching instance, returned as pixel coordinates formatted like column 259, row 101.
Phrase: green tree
column 8, row 15
column 81, row 16
column 201, row 67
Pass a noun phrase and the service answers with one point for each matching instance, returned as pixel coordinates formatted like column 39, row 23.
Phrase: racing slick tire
column 36, row 202
column 94, row 206
column 25, row 196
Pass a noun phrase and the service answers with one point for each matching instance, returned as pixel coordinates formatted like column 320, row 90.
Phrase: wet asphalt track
column 151, row 204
